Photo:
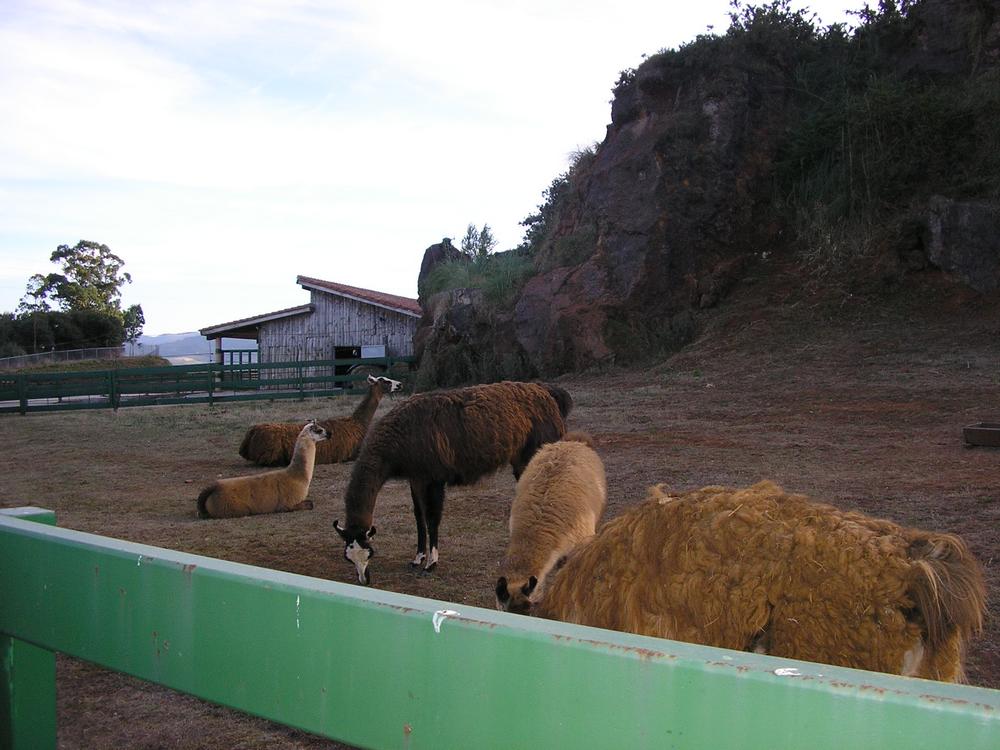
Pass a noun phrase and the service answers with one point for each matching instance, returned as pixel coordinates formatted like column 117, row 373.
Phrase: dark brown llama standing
column 446, row 437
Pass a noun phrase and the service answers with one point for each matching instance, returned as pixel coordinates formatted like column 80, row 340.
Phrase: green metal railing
column 184, row 384
column 383, row 670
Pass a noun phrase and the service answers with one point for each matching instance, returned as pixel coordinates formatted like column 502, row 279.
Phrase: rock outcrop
column 664, row 218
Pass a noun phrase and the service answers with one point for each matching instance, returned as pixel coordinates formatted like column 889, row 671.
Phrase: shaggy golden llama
column 269, row 492
column 557, row 504
column 762, row 570
column 272, row 443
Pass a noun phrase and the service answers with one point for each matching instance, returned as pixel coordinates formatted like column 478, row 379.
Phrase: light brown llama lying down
column 558, row 502
column 761, row 570
column 268, row 492
column 271, row 443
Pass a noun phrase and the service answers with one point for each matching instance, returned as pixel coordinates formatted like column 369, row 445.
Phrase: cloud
column 219, row 145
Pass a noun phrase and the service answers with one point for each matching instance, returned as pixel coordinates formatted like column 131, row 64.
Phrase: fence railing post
column 113, row 398
column 27, row 695
column 22, row 392
column 27, row 678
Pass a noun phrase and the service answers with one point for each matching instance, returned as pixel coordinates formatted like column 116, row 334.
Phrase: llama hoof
column 419, row 560
column 432, row 560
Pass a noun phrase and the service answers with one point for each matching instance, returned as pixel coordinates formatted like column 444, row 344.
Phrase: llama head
column 388, row 384
column 315, row 431
column 357, row 549
column 516, row 599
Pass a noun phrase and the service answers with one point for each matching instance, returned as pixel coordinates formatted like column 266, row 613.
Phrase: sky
column 221, row 149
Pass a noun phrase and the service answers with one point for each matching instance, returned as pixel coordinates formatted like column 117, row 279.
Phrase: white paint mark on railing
column 440, row 617
column 788, row 672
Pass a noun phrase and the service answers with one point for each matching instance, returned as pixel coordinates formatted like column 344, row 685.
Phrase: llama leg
column 304, row 505
column 419, row 494
column 433, row 509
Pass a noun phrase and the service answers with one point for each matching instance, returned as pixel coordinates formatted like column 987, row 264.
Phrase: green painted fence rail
column 188, row 384
column 383, row 670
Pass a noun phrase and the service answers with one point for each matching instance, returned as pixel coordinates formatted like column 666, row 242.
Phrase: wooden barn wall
column 336, row 321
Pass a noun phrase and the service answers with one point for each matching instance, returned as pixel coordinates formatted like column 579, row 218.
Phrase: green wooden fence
column 383, row 670
column 187, row 384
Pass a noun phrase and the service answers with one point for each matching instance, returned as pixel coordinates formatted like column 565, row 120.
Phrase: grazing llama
column 445, row 437
column 559, row 500
column 762, row 570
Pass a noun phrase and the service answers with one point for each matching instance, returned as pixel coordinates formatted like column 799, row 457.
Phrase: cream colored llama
column 558, row 502
column 270, row 492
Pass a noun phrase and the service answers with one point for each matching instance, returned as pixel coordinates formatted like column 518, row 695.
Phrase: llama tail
column 202, row 511
column 947, row 589
column 579, row 437
column 562, row 398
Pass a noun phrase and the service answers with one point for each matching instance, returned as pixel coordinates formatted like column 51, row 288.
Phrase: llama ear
column 503, row 595
column 370, row 533
column 340, row 530
column 529, row 586
column 372, row 380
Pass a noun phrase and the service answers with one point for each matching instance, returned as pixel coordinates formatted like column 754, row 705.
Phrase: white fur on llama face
column 359, row 556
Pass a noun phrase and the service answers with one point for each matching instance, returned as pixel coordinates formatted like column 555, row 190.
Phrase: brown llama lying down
column 269, row 492
column 761, row 570
column 271, row 443
column 559, row 500
column 446, row 437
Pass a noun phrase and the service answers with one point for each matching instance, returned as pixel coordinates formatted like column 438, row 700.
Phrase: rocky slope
column 678, row 204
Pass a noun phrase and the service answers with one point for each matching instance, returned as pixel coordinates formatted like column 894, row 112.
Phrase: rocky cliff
column 680, row 200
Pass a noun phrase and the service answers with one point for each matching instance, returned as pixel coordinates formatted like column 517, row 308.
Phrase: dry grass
column 858, row 407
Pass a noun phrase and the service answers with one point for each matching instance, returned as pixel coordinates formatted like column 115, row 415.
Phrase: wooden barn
column 339, row 322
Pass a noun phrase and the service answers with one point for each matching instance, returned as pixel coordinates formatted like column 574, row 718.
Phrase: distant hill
column 188, row 348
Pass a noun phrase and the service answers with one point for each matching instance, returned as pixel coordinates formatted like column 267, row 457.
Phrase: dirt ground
column 856, row 404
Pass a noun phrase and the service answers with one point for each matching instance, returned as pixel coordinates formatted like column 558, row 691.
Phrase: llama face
column 316, row 432
column 388, row 384
column 517, row 600
column 358, row 550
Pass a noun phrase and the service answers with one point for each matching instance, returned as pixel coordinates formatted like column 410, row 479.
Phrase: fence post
column 27, row 695
column 112, row 390
column 211, row 383
column 22, row 392
column 27, row 678
column 302, row 385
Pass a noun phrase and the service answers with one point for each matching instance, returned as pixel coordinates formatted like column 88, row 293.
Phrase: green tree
column 478, row 243
column 91, row 279
column 133, row 320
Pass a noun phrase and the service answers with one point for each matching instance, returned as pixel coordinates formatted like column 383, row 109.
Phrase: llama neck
column 367, row 477
column 303, row 458
column 366, row 409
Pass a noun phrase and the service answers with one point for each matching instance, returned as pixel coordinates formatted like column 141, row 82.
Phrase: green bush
column 499, row 275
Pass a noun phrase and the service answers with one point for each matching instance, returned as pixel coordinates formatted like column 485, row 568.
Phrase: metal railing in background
column 69, row 355
column 384, row 670
column 190, row 384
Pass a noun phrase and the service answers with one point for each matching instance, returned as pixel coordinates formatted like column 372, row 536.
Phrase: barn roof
column 405, row 305
column 247, row 327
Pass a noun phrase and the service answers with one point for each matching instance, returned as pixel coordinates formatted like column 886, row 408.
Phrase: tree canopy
column 86, row 293
column 91, row 279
